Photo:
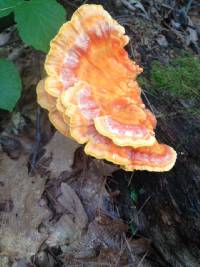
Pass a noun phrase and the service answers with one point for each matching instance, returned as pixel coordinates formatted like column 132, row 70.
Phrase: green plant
column 133, row 228
column 37, row 22
column 10, row 85
column 134, row 195
column 7, row 6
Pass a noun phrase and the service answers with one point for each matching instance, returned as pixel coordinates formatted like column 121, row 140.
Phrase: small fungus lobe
column 92, row 95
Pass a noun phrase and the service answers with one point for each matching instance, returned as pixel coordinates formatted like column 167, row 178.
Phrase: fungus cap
column 92, row 95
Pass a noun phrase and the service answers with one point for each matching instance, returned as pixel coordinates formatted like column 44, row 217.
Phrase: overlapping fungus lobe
column 92, row 95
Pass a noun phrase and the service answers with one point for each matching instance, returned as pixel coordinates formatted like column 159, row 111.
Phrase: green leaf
column 134, row 196
column 39, row 21
column 10, row 85
column 133, row 229
column 8, row 6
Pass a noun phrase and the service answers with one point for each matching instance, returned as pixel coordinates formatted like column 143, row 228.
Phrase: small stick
column 37, row 141
column 187, row 9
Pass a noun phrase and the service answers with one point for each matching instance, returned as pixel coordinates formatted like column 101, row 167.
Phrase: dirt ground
column 59, row 207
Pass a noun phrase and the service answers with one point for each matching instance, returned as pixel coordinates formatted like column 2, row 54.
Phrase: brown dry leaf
column 82, row 236
column 95, row 239
column 90, row 182
column 19, row 236
column 61, row 149
column 80, row 227
column 106, row 258
column 73, row 222
column 84, row 223
column 98, row 236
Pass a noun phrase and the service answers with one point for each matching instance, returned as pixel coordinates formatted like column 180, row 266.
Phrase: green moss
column 181, row 77
column 143, row 81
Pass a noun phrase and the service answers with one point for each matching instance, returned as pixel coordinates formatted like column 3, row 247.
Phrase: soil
column 59, row 207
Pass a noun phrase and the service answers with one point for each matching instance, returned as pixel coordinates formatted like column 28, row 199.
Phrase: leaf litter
column 19, row 220
column 66, row 209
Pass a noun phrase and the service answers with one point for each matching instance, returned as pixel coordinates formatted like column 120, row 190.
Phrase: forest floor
column 59, row 207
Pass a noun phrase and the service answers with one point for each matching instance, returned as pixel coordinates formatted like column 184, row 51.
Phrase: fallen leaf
column 73, row 221
column 61, row 149
column 80, row 235
column 19, row 224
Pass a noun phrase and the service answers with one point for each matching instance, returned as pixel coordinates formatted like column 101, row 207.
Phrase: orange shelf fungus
column 92, row 95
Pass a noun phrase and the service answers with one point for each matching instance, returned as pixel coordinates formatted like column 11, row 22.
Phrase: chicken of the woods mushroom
column 92, row 95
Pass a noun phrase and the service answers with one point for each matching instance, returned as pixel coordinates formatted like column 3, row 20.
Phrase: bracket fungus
column 92, row 95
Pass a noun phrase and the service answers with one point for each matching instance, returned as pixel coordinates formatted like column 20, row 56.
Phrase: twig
column 128, row 5
column 144, row 204
column 130, row 180
column 133, row 8
column 187, row 9
column 119, row 256
column 167, row 6
column 142, row 259
column 151, row 107
column 128, row 246
column 37, row 142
